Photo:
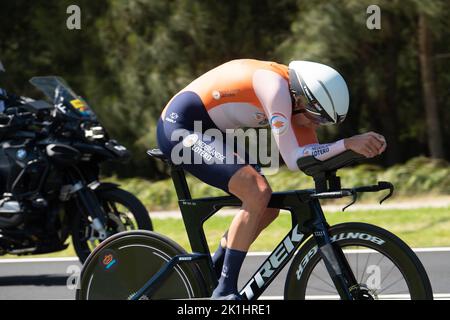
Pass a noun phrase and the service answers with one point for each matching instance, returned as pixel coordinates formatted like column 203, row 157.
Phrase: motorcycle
column 49, row 176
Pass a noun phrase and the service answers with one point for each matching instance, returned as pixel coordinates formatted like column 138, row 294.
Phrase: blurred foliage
column 131, row 57
column 417, row 177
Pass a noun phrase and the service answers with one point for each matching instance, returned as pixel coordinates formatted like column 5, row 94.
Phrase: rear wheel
column 123, row 263
column 383, row 265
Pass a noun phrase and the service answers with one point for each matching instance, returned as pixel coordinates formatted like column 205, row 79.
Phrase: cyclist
column 294, row 100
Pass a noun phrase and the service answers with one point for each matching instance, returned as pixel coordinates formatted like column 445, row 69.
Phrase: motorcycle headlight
column 94, row 133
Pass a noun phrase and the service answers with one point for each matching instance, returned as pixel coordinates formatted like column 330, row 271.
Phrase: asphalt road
column 25, row 279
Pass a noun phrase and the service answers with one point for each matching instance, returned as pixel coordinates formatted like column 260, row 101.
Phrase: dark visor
column 301, row 91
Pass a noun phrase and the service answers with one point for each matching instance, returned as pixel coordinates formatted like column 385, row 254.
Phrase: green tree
column 131, row 57
column 381, row 66
column 155, row 48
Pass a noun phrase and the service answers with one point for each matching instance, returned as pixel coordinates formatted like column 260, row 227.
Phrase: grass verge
column 418, row 177
column 417, row 227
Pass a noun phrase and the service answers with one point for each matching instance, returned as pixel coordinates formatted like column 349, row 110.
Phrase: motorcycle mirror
column 2, row 69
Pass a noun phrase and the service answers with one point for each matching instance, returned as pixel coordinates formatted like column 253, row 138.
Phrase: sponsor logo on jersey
column 316, row 150
column 218, row 94
column 190, row 140
column 279, row 123
column 205, row 150
column 172, row 118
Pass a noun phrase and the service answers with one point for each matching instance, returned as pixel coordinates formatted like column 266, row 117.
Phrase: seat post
column 180, row 183
column 177, row 174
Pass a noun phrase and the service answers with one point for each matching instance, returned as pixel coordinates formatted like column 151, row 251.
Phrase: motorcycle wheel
column 125, row 212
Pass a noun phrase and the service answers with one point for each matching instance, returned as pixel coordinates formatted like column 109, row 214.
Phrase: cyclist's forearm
column 322, row 151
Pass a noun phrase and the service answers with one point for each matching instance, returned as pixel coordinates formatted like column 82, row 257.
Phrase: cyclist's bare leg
column 269, row 215
column 254, row 192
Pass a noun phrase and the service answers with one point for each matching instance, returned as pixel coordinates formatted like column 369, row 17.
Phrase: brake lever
column 386, row 185
column 354, row 198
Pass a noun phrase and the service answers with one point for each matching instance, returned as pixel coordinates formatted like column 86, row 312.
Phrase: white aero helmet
column 321, row 89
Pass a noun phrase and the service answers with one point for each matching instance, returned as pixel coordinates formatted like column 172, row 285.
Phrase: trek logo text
column 273, row 263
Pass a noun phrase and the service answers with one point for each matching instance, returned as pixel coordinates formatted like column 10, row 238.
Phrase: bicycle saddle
column 313, row 167
column 156, row 153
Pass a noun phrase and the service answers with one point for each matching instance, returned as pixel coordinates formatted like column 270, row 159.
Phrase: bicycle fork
column 335, row 262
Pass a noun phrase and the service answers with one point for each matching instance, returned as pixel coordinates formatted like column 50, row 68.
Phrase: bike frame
column 307, row 219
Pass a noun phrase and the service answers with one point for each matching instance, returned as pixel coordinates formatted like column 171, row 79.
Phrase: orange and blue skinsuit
column 242, row 93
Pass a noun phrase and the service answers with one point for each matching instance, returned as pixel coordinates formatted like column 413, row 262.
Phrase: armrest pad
column 312, row 167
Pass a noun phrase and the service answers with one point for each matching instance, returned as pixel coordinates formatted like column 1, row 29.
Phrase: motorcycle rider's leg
column 254, row 192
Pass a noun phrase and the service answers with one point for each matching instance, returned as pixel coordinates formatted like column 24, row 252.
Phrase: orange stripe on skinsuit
column 304, row 135
column 232, row 82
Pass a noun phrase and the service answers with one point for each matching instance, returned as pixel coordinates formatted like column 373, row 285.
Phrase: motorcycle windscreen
column 64, row 98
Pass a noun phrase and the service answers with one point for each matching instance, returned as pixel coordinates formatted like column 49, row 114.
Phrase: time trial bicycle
column 349, row 261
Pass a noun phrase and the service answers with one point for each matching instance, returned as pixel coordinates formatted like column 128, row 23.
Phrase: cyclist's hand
column 369, row 144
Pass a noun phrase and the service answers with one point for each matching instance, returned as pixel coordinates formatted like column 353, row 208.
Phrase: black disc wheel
column 123, row 263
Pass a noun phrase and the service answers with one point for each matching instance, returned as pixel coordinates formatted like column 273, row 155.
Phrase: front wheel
column 383, row 265
column 124, row 212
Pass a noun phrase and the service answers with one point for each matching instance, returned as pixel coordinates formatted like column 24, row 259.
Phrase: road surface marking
column 34, row 260
column 250, row 254
column 420, row 250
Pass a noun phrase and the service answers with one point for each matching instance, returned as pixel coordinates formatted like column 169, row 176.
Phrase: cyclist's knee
column 264, row 195
column 252, row 188
column 257, row 198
